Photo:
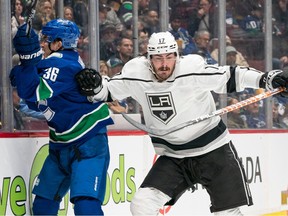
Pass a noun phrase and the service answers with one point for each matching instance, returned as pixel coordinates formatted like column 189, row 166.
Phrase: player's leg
column 43, row 206
column 225, row 180
column 51, row 186
column 164, row 184
column 87, row 206
column 148, row 201
column 89, row 172
column 229, row 212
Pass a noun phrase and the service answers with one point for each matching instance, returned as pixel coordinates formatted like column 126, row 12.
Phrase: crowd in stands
column 194, row 25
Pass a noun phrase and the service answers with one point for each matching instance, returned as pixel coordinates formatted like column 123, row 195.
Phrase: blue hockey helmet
column 65, row 30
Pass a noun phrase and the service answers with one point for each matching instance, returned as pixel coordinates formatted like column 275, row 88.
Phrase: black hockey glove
column 28, row 48
column 274, row 79
column 89, row 81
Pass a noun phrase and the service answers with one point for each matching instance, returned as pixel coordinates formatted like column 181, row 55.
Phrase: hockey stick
column 219, row 112
column 31, row 13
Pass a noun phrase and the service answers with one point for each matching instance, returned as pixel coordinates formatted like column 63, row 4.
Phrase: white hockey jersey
column 184, row 96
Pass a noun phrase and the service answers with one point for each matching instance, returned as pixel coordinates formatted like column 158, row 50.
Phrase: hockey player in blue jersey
column 172, row 90
column 78, row 147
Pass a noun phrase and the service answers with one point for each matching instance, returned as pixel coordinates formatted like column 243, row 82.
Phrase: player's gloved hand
column 274, row 79
column 89, row 81
column 28, row 48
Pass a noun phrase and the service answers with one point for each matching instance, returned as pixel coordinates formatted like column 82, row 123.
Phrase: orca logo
column 161, row 106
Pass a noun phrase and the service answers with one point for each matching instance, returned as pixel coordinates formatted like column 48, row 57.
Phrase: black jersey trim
column 231, row 84
column 201, row 141
column 131, row 79
column 171, row 81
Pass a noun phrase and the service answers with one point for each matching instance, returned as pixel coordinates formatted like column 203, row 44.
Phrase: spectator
column 44, row 13
column 280, row 33
column 83, row 47
column 203, row 18
column 253, row 116
column 234, row 119
column 143, row 6
column 201, row 46
column 141, row 26
column 278, row 111
column 143, row 35
column 108, row 16
column 125, row 11
column 181, row 35
column 103, row 10
column 127, row 33
column 231, row 21
column 22, row 108
column 115, row 65
column 283, row 111
column 17, row 16
column 80, row 11
column 240, row 60
column 231, row 53
column 143, row 42
column 18, row 120
column 113, row 18
column 151, row 22
column 68, row 13
column 253, row 22
column 115, row 5
column 104, row 68
column 108, row 35
column 124, row 49
column 280, row 17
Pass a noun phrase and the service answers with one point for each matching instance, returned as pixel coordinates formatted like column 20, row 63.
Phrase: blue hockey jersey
column 51, row 88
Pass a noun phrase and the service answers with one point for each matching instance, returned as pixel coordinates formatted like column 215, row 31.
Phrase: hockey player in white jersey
column 173, row 90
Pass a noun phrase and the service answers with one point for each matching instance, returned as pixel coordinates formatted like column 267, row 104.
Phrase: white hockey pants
column 148, row 201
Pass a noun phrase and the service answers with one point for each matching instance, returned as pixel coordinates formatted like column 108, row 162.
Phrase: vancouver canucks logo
column 161, row 106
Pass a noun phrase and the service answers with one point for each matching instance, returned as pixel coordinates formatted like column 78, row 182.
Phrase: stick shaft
column 31, row 14
column 250, row 100
column 222, row 111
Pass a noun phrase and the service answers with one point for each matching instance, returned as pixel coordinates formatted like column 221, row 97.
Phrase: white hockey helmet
column 161, row 43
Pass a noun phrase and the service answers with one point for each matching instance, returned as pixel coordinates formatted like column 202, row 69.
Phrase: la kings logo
column 161, row 106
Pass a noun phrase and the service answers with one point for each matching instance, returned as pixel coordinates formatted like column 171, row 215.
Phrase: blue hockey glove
column 28, row 48
column 274, row 79
column 89, row 81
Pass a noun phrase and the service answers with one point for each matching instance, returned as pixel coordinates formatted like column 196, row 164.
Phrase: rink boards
column 264, row 155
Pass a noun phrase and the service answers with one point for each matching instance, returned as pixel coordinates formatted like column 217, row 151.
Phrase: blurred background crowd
column 193, row 23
